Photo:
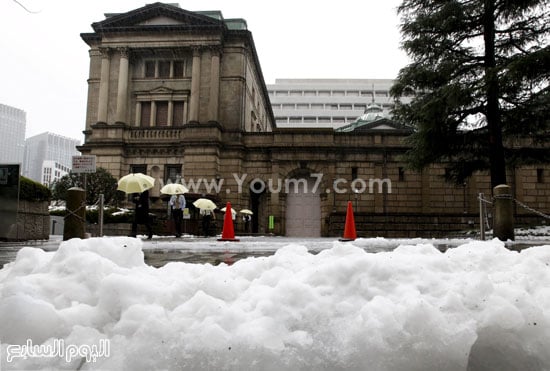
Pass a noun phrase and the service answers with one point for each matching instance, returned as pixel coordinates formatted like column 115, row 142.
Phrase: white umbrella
column 204, row 204
column 135, row 183
column 246, row 211
column 174, row 189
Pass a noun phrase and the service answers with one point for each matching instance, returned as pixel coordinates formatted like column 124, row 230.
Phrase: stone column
column 122, row 93
column 103, row 99
column 213, row 102
column 170, row 113
column 195, row 86
column 503, row 227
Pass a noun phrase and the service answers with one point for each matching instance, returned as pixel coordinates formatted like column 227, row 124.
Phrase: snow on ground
column 372, row 304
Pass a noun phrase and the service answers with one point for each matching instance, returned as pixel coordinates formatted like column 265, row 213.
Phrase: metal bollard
column 503, row 227
column 75, row 220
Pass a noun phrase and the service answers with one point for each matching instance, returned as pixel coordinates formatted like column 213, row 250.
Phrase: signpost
column 84, row 164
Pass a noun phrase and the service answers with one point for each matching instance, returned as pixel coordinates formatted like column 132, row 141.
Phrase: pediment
column 155, row 15
column 161, row 90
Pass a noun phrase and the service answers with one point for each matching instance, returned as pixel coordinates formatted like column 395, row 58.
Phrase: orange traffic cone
column 349, row 229
column 228, row 232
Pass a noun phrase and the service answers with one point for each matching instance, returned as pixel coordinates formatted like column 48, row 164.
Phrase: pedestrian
column 246, row 220
column 141, row 214
column 207, row 216
column 177, row 204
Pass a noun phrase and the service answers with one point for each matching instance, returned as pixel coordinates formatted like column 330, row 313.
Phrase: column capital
column 124, row 51
column 216, row 50
column 105, row 51
column 197, row 50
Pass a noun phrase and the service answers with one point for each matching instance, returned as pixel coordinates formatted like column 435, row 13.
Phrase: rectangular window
column 164, row 69
column 401, row 174
column 177, row 118
column 173, row 174
column 540, row 175
column 162, row 114
column 138, row 169
column 353, row 173
column 179, row 69
column 150, row 69
column 145, row 114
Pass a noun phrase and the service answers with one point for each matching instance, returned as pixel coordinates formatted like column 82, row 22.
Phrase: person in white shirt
column 177, row 204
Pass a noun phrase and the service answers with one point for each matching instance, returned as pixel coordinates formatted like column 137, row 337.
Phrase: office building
column 12, row 134
column 327, row 103
column 43, row 149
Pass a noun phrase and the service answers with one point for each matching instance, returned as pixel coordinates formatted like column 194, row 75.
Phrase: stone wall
column 33, row 222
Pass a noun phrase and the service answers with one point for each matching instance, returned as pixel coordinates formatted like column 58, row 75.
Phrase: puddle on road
column 158, row 258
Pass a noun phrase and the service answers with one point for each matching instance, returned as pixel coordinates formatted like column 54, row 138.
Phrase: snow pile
column 413, row 308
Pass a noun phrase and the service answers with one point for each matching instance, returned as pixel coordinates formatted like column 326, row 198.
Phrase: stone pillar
column 213, row 102
column 103, row 99
column 122, row 92
column 503, row 227
column 75, row 220
column 274, row 206
column 195, row 86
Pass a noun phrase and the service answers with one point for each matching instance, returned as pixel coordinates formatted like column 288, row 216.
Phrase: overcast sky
column 44, row 62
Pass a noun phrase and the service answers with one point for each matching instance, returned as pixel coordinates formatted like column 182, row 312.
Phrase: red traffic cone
column 228, row 232
column 349, row 229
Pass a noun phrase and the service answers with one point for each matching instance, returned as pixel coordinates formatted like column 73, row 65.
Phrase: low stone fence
column 33, row 222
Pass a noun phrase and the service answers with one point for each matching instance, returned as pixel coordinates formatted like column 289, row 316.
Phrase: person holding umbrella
column 138, row 185
column 141, row 215
column 206, row 207
column 177, row 204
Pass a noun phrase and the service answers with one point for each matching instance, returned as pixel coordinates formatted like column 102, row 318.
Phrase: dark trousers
column 206, row 225
column 177, row 215
column 142, row 218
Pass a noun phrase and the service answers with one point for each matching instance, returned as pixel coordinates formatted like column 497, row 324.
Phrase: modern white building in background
column 13, row 124
column 327, row 103
column 48, row 157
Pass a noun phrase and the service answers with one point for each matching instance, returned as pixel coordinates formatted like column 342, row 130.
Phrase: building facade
column 327, row 103
column 180, row 96
column 13, row 123
column 48, row 156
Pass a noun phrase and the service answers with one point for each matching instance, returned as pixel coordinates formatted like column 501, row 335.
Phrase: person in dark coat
column 141, row 214
column 207, row 216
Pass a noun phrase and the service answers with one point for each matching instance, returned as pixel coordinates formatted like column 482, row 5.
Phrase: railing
column 155, row 134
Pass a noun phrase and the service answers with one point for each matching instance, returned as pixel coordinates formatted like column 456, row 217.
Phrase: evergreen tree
column 96, row 183
column 479, row 78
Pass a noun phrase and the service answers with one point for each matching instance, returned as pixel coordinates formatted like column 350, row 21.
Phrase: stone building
column 180, row 96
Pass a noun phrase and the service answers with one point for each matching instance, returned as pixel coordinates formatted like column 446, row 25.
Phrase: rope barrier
column 74, row 213
column 539, row 213
column 482, row 199
column 534, row 211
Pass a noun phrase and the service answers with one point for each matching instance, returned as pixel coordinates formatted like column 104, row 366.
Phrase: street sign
column 84, row 164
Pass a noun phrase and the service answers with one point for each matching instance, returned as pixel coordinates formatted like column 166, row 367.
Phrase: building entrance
column 303, row 209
